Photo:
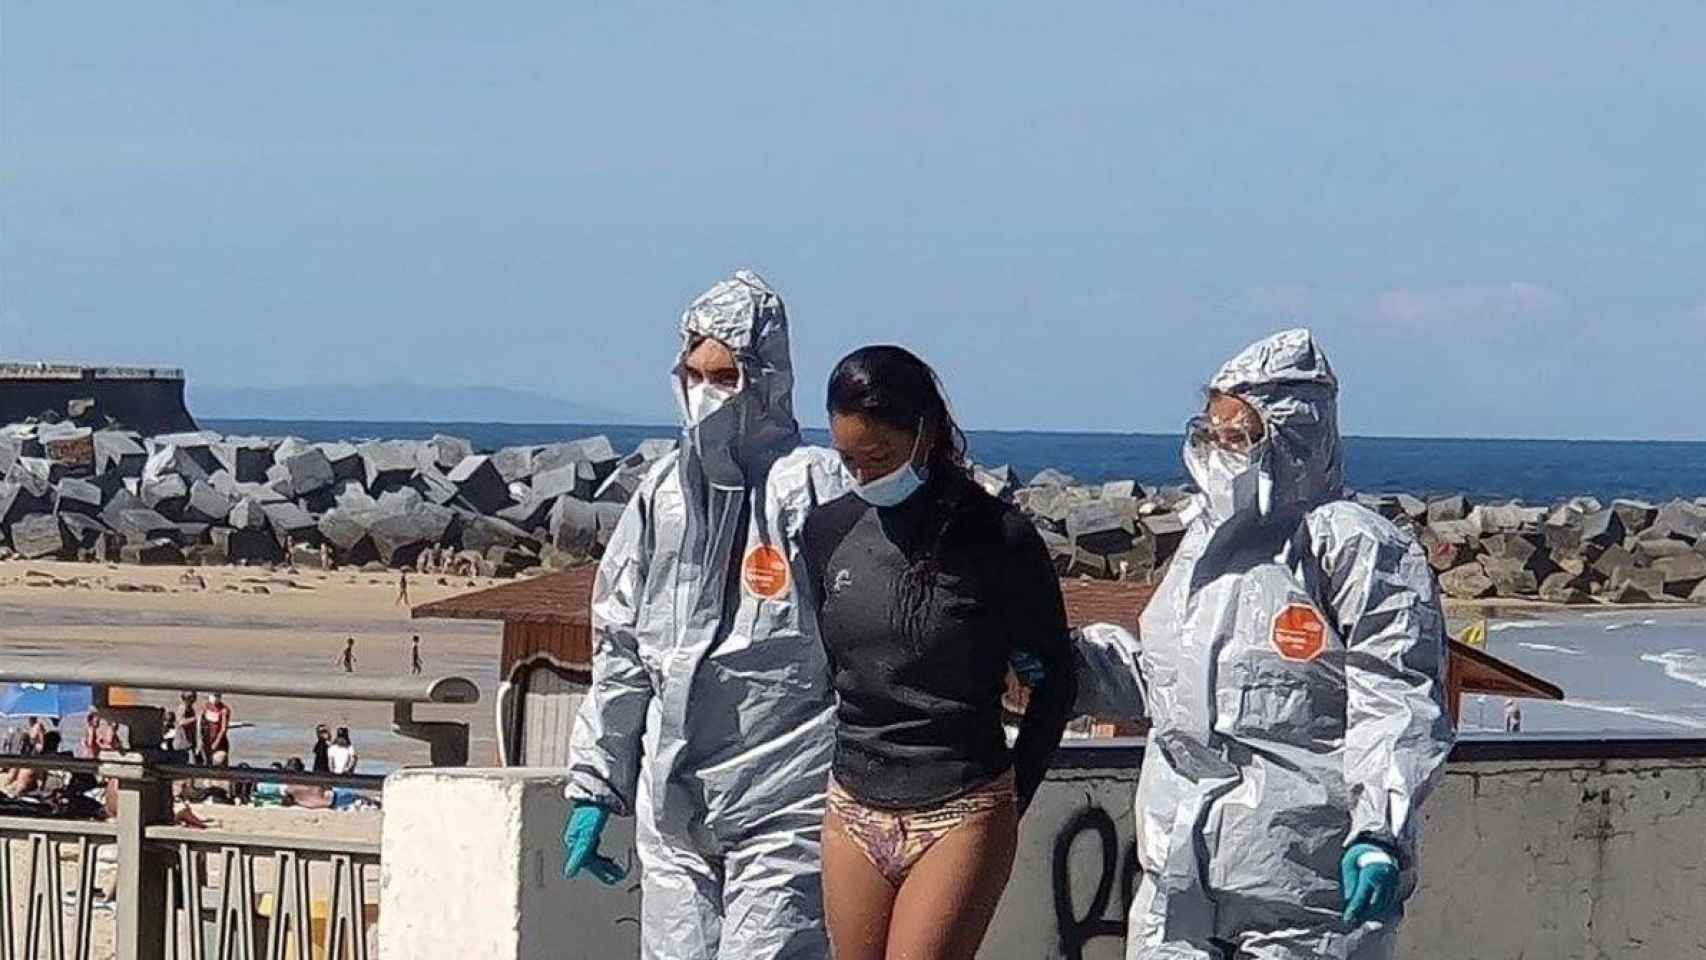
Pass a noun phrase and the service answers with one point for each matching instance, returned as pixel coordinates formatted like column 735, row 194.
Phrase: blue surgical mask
column 892, row 489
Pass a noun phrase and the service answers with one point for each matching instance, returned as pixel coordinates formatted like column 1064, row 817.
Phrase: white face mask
column 892, row 489
column 1231, row 483
column 703, row 399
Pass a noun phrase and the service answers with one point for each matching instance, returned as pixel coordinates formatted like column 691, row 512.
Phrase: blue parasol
column 43, row 699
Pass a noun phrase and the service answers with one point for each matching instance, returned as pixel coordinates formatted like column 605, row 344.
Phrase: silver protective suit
column 1292, row 666
column 711, row 713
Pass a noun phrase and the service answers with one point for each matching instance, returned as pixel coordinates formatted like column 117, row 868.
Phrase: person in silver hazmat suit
column 1292, row 665
column 711, row 713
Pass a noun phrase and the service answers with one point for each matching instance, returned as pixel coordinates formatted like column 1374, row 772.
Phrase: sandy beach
column 247, row 618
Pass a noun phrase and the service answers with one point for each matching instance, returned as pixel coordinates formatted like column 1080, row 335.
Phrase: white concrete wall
column 471, row 868
column 1565, row 860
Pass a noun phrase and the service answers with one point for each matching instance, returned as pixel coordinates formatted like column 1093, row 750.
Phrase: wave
column 1649, row 622
column 1687, row 666
column 1639, row 713
column 1549, row 648
column 1521, row 625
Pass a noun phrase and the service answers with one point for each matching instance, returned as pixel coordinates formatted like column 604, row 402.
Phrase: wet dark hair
column 893, row 387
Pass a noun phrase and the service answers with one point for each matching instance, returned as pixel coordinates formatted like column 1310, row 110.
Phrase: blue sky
column 1493, row 214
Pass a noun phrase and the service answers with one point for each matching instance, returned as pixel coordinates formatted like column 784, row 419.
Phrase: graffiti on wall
column 1100, row 916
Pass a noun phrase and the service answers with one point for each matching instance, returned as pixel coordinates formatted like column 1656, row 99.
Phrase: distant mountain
column 397, row 401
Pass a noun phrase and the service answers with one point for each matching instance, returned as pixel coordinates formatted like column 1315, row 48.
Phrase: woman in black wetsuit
column 925, row 587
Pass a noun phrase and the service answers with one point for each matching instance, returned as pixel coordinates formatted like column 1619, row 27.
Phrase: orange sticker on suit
column 1299, row 633
column 765, row 572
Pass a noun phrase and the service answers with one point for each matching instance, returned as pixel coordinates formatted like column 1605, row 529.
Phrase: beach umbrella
column 43, row 699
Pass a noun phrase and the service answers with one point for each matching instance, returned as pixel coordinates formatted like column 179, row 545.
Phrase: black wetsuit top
column 919, row 720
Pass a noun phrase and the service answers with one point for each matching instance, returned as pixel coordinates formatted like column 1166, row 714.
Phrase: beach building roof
column 563, row 598
column 554, row 598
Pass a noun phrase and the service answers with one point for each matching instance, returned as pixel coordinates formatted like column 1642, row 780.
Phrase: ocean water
column 1537, row 471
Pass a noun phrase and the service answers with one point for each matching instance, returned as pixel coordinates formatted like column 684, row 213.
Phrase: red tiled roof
column 547, row 598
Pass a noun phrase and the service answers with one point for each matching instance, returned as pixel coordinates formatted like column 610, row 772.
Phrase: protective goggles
column 1233, row 436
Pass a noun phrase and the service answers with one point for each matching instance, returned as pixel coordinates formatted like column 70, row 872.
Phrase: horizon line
column 674, row 429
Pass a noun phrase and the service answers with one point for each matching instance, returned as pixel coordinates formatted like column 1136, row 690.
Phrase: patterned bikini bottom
column 895, row 840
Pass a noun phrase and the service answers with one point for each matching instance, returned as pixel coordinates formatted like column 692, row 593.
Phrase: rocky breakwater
column 1577, row 552
column 72, row 492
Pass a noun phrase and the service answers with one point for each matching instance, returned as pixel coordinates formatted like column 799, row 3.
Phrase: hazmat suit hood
column 734, row 445
column 1287, row 380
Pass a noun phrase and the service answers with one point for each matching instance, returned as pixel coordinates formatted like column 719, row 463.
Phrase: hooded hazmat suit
column 1292, row 667
column 710, row 717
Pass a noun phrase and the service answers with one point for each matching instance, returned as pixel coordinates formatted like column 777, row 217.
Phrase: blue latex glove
column 1369, row 875
column 1028, row 667
column 580, row 843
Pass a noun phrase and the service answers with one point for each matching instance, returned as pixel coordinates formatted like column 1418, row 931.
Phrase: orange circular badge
column 1299, row 632
column 765, row 572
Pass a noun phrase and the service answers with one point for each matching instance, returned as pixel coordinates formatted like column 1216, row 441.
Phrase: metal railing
column 178, row 892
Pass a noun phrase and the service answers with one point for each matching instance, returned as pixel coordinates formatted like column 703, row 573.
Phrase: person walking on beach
column 925, row 795
column 711, row 716
column 348, row 658
column 415, row 655
column 1292, row 665
column 402, row 589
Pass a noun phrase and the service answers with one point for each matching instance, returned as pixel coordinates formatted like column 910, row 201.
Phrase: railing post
column 143, row 801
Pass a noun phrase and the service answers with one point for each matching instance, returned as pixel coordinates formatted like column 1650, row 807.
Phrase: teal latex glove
column 1369, row 875
column 1028, row 668
column 580, row 843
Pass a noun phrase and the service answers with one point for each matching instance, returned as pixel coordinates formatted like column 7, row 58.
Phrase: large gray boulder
column 346, row 530
column 72, row 495
column 83, row 531
column 40, row 536
column 246, row 546
column 1603, row 528
column 167, row 494
column 514, row 463
column 533, row 513
column 206, row 505
column 35, row 475
column 1447, row 508
column 562, row 481
column 346, row 461
column 1103, row 527
column 1679, row 520
column 1634, row 585
column 10, row 451
column 1682, row 573
column 120, row 452
column 482, row 534
column 1508, row 518
column 622, row 483
column 393, row 502
column 480, row 485
column 245, row 458
column 387, row 464
column 1647, row 550
column 1561, row 587
column 1050, row 477
column 1637, row 515
column 247, row 514
column 158, row 552
column 574, row 527
column 445, row 452
column 435, row 487
column 1468, row 582
column 400, row 537
column 309, row 472
column 1510, row 577
column 140, row 525
column 169, row 459
column 291, row 524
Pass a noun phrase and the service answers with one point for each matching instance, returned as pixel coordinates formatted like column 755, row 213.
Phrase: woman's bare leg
column 948, row 899
column 857, row 901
